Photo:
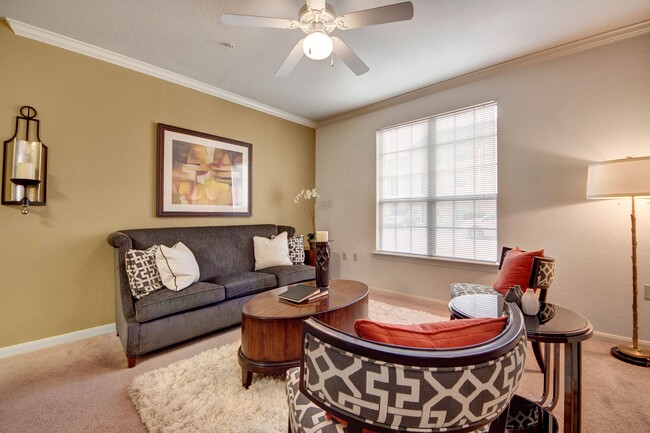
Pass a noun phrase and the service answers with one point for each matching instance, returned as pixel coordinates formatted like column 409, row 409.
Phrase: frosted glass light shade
column 317, row 45
column 619, row 178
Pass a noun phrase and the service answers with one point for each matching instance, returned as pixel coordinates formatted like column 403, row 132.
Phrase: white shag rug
column 204, row 393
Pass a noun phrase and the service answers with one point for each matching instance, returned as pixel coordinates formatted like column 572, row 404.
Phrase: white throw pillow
column 271, row 252
column 177, row 266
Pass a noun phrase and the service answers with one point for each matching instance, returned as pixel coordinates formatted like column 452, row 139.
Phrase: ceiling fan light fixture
column 317, row 45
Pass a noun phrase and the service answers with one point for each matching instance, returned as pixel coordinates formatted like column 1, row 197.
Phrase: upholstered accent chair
column 541, row 277
column 368, row 386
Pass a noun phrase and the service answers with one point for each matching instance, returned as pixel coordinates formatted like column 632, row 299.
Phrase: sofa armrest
column 122, row 243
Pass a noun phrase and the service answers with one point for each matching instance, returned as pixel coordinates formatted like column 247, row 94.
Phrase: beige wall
column 99, row 122
column 554, row 119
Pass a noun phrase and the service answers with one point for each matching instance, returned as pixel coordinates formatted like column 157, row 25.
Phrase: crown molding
column 585, row 44
column 41, row 35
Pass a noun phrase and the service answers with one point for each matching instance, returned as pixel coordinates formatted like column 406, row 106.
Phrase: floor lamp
column 616, row 179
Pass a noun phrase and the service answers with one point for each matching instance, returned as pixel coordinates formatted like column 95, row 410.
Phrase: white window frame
column 422, row 214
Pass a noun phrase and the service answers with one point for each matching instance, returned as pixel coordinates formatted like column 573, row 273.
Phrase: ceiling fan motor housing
column 311, row 19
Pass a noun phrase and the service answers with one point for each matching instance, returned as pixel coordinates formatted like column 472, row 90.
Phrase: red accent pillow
column 329, row 417
column 516, row 269
column 438, row 335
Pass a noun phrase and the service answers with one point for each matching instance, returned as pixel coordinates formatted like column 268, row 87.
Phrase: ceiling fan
column 317, row 19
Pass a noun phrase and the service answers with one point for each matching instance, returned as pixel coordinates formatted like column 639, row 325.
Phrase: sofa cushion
column 291, row 274
column 244, row 283
column 165, row 302
column 219, row 250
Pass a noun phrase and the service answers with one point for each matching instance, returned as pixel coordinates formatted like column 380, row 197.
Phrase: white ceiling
column 445, row 39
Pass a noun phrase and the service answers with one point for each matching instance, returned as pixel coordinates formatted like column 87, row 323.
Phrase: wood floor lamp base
column 627, row 353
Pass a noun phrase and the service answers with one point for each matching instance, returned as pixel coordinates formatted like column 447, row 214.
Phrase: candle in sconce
column 25, row 170
column 322, row 236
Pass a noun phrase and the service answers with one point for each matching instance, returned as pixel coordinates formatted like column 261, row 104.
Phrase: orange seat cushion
column 438, row 335
column 516, row 269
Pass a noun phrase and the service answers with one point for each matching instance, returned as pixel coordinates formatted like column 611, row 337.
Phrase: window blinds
column 437, row 186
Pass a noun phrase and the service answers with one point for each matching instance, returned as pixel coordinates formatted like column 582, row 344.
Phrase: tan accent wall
column 99, row 122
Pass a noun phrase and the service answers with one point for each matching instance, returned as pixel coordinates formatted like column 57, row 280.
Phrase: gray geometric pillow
column 297, row 249
column 142, row 271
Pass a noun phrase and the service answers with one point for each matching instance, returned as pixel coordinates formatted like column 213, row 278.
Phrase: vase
column 514, row 295
column 322, row 264
column 529, row 303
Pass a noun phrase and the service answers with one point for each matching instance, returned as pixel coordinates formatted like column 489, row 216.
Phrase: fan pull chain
column 332, row 60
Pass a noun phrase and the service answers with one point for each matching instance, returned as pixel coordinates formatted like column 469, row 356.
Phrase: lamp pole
column 635, row 284
column 625, row 352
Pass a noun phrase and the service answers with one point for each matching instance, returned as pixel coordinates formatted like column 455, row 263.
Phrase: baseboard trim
column 617, row 339
column 44, row 343
column 409, row 297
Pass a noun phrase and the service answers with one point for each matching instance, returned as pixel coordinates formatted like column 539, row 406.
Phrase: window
column 437, row 186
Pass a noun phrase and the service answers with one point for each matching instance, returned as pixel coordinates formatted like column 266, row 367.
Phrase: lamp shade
column 628, row 177
column 317, row 45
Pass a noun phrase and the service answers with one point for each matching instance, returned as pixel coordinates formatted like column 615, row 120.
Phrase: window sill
column 436, row 261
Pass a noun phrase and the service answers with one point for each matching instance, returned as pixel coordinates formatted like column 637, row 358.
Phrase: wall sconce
column 24, row 167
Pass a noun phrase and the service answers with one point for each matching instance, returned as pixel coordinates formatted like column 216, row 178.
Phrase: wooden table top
column 267, row 305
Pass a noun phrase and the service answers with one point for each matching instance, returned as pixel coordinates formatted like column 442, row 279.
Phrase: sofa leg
column 131, row 360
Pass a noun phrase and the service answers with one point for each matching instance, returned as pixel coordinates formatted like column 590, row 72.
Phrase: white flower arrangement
column 303, row 196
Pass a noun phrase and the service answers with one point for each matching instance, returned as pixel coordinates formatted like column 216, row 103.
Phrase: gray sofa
column 226, row 262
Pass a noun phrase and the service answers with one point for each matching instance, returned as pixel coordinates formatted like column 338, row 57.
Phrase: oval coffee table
column 271, row 329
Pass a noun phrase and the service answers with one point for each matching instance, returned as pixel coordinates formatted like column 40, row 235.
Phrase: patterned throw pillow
column 297, row 249
column 142, row 271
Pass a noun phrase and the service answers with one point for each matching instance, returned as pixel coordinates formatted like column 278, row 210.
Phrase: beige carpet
column 82, row 386
column 204, row 393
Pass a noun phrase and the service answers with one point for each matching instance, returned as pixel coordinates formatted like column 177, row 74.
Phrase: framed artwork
column 202, row 175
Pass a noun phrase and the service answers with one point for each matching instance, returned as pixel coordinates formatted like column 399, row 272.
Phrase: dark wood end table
column 555, row 326
column 271, row 329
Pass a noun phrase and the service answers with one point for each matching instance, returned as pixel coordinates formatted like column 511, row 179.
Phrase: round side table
column 555, row 326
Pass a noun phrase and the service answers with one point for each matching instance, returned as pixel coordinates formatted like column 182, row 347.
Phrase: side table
column 310, row 257
column 555, row 326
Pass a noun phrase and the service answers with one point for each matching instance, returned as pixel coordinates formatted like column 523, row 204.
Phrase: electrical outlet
column 355, row 257
column 647, row 292
column 344, row 255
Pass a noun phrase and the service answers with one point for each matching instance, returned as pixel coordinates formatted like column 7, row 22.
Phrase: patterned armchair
column 382, row 388
column 541, row 277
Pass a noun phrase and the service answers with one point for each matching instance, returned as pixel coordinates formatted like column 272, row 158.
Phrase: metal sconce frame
column 24, row 165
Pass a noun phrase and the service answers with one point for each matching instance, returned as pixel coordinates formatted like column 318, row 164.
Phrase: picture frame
column 201, row 174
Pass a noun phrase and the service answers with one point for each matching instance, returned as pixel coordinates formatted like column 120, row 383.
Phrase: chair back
column 385, row 388
column 542, row 273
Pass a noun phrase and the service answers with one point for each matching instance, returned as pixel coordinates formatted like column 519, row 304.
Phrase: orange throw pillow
column 516, row 269
column 438, row 335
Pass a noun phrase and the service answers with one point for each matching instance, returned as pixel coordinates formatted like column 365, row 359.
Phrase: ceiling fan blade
column 348, row 57
column 381, row 15
column 291, row 61
column 250, row 20
column 317, row 5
